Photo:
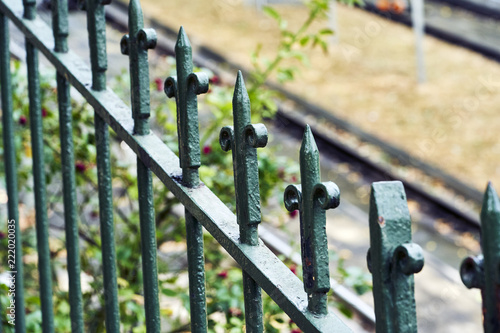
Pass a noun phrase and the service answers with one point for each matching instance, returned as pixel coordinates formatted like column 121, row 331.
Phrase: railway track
column 467, row 23
column 488, row 8
column 433, row 206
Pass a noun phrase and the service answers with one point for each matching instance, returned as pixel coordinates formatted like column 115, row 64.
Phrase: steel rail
column 446, row 35
column 486, row 8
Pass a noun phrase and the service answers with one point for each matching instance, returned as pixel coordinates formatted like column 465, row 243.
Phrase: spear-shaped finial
column 309, row 159
column 136, row 45
column 483, row 271
column 244, row 139
column 185, row 87
column 312, row 198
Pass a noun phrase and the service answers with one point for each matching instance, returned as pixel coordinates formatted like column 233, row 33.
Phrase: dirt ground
column 369, row 78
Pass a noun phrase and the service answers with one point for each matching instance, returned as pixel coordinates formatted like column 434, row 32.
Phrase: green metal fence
column 392, row 258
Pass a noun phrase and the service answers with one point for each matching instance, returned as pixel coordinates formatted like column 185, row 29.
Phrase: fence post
column 483, row 271
column 11, row 169
column 96, row 26
column 244, row 139
column 42, row 232
column 393, row 259
column 136, row 45
column 60, row 30
column 185, row 87
column 312, row 198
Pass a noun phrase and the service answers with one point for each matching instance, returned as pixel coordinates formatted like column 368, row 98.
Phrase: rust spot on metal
column 381, row 221
column 308, row 261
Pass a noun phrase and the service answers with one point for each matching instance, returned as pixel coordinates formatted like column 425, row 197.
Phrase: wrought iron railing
column 393, row 258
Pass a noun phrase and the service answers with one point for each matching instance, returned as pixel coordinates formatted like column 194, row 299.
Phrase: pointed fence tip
column 135, row 4
column 308, row 142
column 135, row 19
column 308, row 133
column 239, row 77
column 491, row 202
column 182, row 38
column 135, row 8
column 239, row 86
column 240, row 95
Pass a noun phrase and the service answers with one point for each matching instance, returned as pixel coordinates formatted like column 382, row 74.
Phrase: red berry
column 235, row 312
column 222, row 274
column 44, row 112
column 22, row 120
column 215, row 80
column 296, row 330
column 293, row 268
column 80, row 167
column 207, row 150
column 159, row 84
column 293, row 213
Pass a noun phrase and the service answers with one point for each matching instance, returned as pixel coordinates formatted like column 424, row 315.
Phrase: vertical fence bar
column 60, row 29
column 136, row 45
column 393, row 259
column 35, row 111
column 96, row 26
column 312, row 198
column 11, row 168
column 483, row 271
column 244, row 139
column 185, row 87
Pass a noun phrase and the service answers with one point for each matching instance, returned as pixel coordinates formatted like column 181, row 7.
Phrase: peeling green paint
column 483, row 271
column 393, row 259
column 243, row 140
column 10, row 163
column 312, row 198
column 185, row 87
column 136, row 45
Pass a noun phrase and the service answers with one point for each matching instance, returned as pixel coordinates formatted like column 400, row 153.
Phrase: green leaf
column 304, row 40
column 326, row 31
column 324, row 46
column 169, row 292
column 271, row 12
column 285, row 74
